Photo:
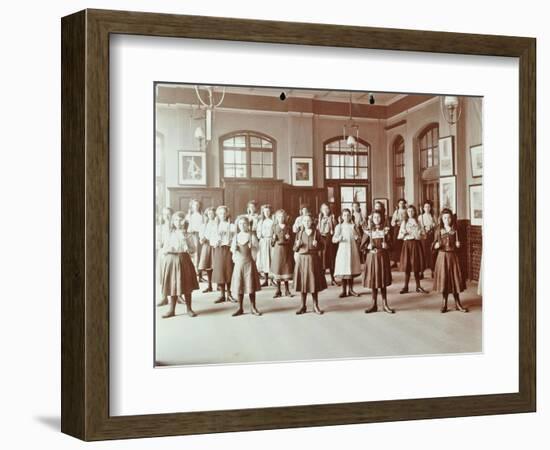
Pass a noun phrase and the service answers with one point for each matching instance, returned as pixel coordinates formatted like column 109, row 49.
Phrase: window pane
column 429, row 139
column 266, row 144
column 255, row 157
column 360, row 194
column 362, row 160
column 335, row 172
column 229, row 171
column 240, row 141
column 256, row 171
column 240, row 171
column 346, row 194
column 349, row 173
column 268, row 171
column 268, row 157
column 229, row 142
column 255, row 142
column 362, row 173
column 240, row 156
column 229, row 156
column 348, row 161
column 430, row 158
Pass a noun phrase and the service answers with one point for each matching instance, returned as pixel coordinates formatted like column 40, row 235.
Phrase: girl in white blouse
column 348, row 264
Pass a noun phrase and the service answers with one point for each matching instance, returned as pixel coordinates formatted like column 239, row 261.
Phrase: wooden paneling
column 239, row 192
column 294, row 196
column 180, row 197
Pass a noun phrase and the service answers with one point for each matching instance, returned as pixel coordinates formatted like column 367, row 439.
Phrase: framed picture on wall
column 191, row 168
column 130, row 325
column 476, row 204
column 447, row 193
column 446, row 156
column 476, row 160
column 301, row 171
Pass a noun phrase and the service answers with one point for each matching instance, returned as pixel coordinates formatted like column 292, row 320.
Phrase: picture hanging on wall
column 302, row 171
column 447, row 193
column 476, row 160
column 192, row 168
column 476, row 204
column 446, row 156
column 384, row 201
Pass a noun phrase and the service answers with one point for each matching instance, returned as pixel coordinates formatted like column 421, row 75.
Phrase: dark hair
column 381, row 214
column 414, row 209
column 446, row 211
column 401, row 200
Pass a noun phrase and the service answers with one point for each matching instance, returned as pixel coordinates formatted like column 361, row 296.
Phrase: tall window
column 248, row 155
column 399, row 167
column 429, row 146
column 343, row 164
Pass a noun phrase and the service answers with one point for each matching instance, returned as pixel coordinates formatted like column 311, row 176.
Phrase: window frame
column 357, row 167
column 434, row 148
column 398, row 182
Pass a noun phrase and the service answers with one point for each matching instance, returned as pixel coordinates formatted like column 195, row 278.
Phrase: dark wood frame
column 198, row 153
column 85, row 224
column 472, row 160
column 312, row 165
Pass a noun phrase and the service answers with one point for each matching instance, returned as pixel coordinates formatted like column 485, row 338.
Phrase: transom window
column 248, row 155
column 429, row 147
column 341, row 163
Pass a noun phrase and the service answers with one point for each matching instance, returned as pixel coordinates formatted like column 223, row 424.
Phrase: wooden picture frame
column 384, row 201
column 447, row 193
column 85, row 224
column 304, row 180
column 446, row 156
column 476, row 204
column 476, row 160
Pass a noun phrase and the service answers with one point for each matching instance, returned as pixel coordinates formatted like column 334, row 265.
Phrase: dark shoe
column 208, row 289
column 239, row 312
column 343, row 294
column 387, row 308
column 372, row 309
column 220, row 300
column 288, row 294
column 278, row 294
column 317, row 309
column 265, row 283
column 302, row 310
column 421, row 290
column 443, row 309
column 405, row 290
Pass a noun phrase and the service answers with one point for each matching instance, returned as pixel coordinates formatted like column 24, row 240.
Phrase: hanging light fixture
column 210, row 103
column 351, row 130
column 451, row 108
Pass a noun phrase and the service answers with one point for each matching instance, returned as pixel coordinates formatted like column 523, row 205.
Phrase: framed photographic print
column 225, row 273
column 302, row 171
column 191, row 168
column 476, row 160
column 476, row 204
column 446, row 156
column 447, row 193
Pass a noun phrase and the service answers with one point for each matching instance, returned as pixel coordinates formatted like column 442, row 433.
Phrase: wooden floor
column 344, row 331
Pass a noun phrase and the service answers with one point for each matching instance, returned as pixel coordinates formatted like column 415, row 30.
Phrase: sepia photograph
column 298, row 224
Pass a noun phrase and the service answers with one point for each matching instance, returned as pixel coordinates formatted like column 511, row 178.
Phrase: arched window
column 248, row 154
column 428, row 143
column 398, row 148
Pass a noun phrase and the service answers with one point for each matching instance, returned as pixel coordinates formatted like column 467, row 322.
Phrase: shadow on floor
column 52, row 422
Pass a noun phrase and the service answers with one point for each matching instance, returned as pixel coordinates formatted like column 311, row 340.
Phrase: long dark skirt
column 222, row 265
column 412, row 257
column 427, row 247
column 308, row 274
column 205, row 260
column 328, row 255
column 377, row 273
column 397, row 244
column 282, row 262
column 447, row 274
column 178, row 275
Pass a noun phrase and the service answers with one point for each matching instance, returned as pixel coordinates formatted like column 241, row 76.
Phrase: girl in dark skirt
column 377, row 274
column 208, row 232
column 427, row 222
column 412, row 253
column 398, row 217
column 178, row 272
column 282, row 259
column 326, row 225
column 447, row 274
column 308, row 273
column 245, row 279
column 222, row 262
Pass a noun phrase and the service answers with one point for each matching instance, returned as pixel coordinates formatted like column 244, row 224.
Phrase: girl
column 208, row 232
column 282, row 262
column 265, row 233
column 326, row 225
column 447, row 275
column 308, row 273
column 178, row 273
column 348, row 264
column 398, row 217
column 195, row 220
column 222, row 263
column 412, row 253
column 245, row 279
column 304, row 211
column 378, row 207
column 252, row 214
column 163, row 231
column 427, row 223
column 377, row 274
